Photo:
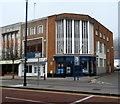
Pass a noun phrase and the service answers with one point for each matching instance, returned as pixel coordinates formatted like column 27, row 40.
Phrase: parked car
column 117, row 68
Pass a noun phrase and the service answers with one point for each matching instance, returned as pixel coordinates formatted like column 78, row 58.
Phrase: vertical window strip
column 77, row 36
column 84, row 37
column 69, row 36
column 60, row 37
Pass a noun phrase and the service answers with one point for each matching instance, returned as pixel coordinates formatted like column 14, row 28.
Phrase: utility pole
column 25, row 45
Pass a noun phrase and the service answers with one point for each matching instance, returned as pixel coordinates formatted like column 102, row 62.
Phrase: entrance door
column 85, row 66
column 60, row 68
column 69, row 68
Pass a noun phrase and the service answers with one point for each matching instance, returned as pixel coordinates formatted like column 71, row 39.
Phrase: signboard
column 37, row 55
column 76, row 60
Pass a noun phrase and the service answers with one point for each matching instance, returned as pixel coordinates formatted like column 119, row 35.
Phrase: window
column 34, row 45
column 9, row 37
column 17, row 35
column 35, row 69
column 29, row 69
column 103, row 36
column 100, row 35
column 32, row 30
column 97, row 46
column 13, row 36
column 96, row 32
column 77, row 36
column 108, row 50
column 24, row 32
column 107, row 39
column 84, row 37
column 104, row 62
column 40, row 29
column 68, row 36
column 60, row 37
column 101, row 48
column 104, row 49
column 101, row 62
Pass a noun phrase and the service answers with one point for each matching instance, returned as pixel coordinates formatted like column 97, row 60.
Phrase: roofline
column 43, row 18
column 34, row 20
column 11, row 24
column 101, row 24
column 93, row 19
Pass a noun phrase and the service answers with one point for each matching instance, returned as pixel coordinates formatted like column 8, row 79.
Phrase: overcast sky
column 106, row 12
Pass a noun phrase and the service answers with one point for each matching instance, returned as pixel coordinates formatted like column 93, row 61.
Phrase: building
column 11, row 48
column 36, row 47
column 67, row 45
column 82, row 36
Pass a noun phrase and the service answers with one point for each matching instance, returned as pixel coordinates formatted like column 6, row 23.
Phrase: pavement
column 106, row 84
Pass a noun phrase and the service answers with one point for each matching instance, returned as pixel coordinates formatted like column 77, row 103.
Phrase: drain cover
column 96, row 89
column 50, row 86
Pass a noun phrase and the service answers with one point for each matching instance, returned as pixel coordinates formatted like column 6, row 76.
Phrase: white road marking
column 23, row 99
column 34, row 101
column 82, row 99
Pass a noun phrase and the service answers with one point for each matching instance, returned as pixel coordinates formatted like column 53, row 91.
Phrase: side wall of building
column 107, row 39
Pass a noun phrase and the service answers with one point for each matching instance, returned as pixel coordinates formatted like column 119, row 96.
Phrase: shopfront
column 33, row 65
column 65, row 66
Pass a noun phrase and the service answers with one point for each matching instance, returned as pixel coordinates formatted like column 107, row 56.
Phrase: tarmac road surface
column 25, row 96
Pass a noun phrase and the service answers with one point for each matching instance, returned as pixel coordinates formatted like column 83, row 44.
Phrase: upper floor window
column 107, row 39
column 13, row 35
column 9, row 37
column 100, row 35
column 104, row 49
column 103, row 36
column 40, row 29
column 101, row 48
column 24, row 32
column 97, row 46
column 96, row 32
column 32, row 30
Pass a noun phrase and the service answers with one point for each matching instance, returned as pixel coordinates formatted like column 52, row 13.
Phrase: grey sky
column 105, row 12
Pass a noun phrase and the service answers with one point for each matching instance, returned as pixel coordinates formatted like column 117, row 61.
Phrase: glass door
column 85, row 66
column 60, row 68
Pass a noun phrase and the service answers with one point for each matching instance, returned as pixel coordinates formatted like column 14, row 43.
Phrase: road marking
column 78, row 101
column 23, row 99
column 34, row 101
column 58, row 92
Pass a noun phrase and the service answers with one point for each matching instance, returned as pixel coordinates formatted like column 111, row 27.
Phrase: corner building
column 69, row 44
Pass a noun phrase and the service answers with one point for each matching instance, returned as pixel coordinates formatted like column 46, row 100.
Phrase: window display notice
column 76, row 60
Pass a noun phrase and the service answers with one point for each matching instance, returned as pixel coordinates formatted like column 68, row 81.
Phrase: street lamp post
column 25, row 45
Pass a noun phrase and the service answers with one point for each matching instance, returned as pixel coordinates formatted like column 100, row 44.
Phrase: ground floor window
column 85, row 66
column 67, row 67
column 41, row 69
column 29, row 69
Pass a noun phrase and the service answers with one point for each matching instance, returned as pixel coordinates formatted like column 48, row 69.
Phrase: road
column 25, row 96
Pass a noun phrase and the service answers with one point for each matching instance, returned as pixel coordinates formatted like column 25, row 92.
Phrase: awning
column 33, row 60
column 9, row 62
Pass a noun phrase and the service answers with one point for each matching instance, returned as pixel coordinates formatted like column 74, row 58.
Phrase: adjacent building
column 10, row 48
column 66, row 45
